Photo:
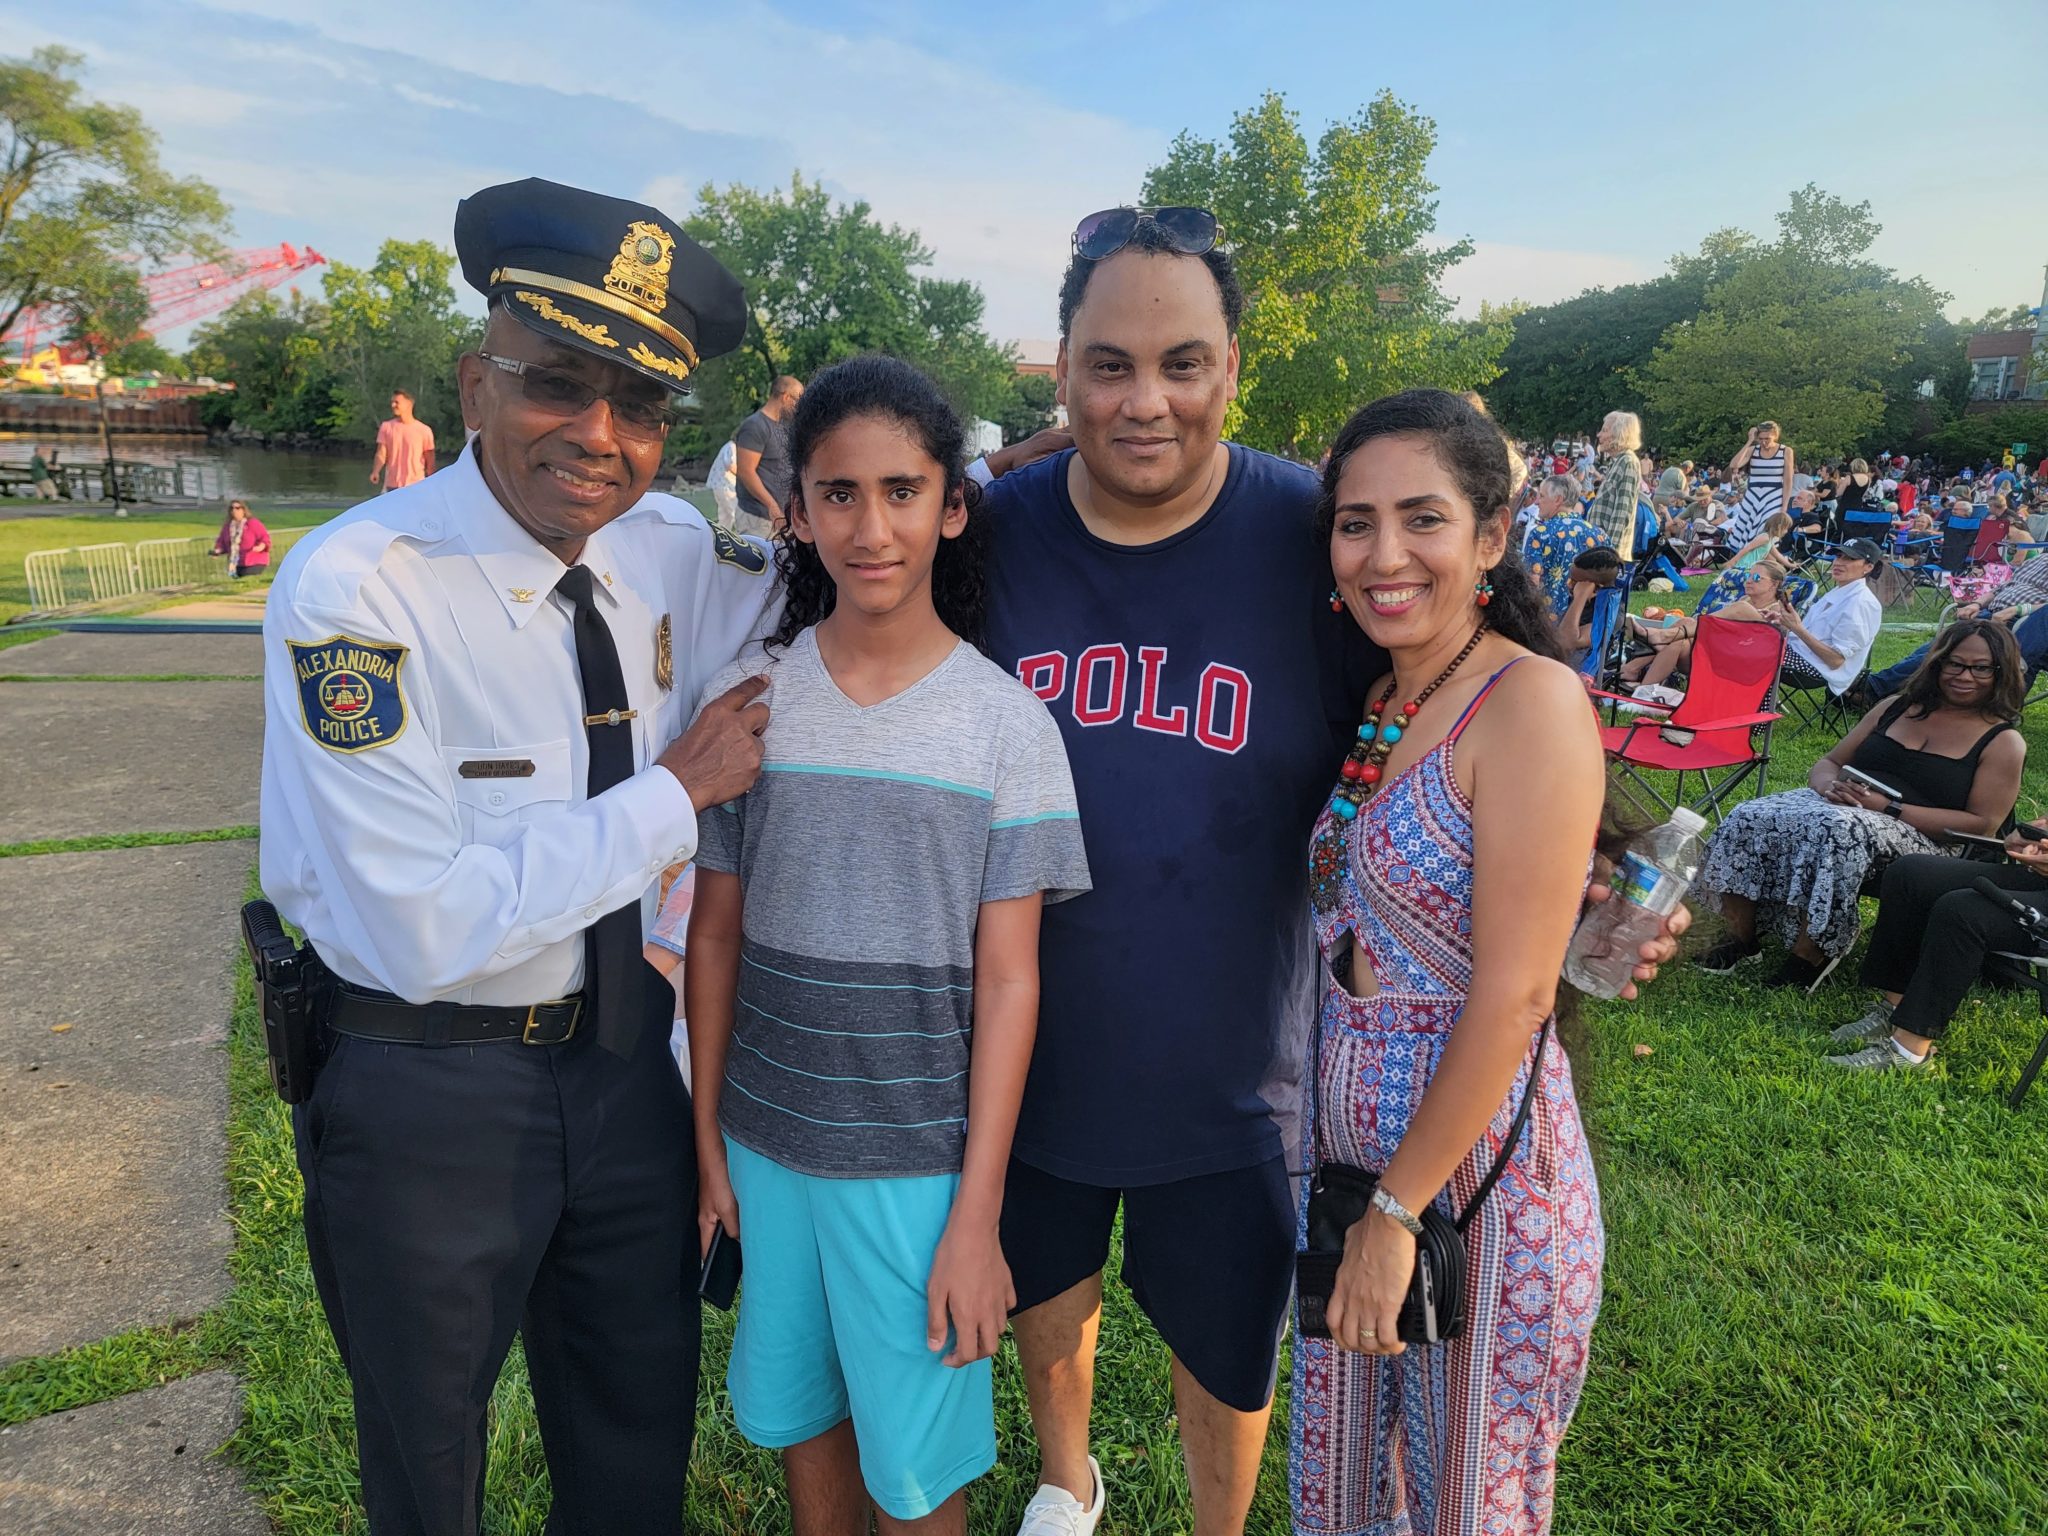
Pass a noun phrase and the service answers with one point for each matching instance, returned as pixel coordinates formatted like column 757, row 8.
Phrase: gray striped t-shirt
column 864, row 852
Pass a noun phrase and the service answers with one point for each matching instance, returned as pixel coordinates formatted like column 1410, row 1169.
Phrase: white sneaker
column 1055, row 1512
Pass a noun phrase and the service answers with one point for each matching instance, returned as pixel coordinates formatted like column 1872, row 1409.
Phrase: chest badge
column 665, row 654
column 521, row 594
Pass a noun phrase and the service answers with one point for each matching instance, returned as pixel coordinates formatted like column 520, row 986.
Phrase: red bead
column 1369, row 773
column 1485, row 598
column 1353, row 768
column 1412, row 708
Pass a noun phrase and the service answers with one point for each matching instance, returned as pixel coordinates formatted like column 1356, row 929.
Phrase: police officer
column 474, row 770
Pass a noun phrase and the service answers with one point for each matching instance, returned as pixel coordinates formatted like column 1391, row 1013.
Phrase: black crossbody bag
column 1338, row 1199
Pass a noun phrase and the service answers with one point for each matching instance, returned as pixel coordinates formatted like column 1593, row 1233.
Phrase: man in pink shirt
column 405, row 446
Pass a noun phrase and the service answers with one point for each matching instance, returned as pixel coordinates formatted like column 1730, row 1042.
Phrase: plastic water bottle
column 1649, row 883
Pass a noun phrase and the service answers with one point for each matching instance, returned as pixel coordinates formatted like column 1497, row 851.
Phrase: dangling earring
column 1484, row 590
column 1336, row 602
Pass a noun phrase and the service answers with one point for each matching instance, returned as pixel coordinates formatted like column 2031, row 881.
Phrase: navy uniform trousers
column 455, row 1193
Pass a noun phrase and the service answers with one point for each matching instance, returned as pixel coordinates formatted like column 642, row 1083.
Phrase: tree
column 145, row 354
column 394, row 325
column 1031, row 407
column 2013, row 317
column 103, row 304
column 80, row 186
column 1572, row 362
column 1343, row 296
column 824, row 282
column 274, row 353
column 1807, row 332
column 1987, row 435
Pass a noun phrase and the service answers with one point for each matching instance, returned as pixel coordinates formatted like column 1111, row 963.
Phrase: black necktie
column 612, row 966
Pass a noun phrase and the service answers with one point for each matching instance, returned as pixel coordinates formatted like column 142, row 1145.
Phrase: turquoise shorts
column 832, row 1324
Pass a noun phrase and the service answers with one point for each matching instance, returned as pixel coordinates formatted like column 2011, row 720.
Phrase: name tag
column 497, row 768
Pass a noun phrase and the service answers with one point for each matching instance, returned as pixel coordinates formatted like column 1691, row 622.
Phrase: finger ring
column 1367, row 1333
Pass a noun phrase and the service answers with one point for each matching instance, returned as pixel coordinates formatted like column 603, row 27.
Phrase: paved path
column 141, row 1465
column 81, row 759
column 114, row 1005
column 112, row 1130
column 83, row 653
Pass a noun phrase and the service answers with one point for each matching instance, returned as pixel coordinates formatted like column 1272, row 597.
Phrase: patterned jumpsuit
column 1461, row 1437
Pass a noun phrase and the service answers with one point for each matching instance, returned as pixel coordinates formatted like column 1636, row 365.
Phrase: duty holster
column 292, row 992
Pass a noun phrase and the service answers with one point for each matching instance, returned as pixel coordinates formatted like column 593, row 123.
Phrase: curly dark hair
column 1148, row 236
column 1922, row 694
column 887, row 387
column 1471, row 447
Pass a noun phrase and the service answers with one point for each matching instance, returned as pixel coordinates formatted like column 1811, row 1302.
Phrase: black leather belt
column 380, row 1016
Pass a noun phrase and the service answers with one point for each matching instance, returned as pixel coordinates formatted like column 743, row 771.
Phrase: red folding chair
column 1720, row 730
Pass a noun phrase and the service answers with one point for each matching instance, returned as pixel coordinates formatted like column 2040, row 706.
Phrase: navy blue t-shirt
column 1207, row 694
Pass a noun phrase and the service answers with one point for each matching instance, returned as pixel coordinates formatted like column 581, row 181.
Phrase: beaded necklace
column 1364, row 765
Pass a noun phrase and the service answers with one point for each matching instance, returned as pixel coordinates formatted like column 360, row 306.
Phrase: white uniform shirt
column 1846, row 619
column 424, row 815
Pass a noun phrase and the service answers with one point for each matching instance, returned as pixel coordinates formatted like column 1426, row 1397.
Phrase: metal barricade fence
column 96, row 573
column 175, row 562
column 110, row 570
column 46, row 570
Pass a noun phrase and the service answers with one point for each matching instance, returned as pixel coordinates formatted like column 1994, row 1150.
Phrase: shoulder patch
column 733, row 550
column 349, row 693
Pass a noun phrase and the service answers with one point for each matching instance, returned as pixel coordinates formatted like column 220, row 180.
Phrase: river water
column 273, row 476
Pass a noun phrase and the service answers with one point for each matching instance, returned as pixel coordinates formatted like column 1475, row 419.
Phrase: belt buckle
column 575, row 1018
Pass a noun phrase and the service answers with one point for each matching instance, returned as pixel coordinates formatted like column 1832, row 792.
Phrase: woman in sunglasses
column 1944, row 756
column 243, row 541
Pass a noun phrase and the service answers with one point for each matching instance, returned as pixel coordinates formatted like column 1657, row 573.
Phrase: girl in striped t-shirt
column 863, row 972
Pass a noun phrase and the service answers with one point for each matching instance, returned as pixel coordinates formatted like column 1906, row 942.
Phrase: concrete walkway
column 114, row 1005
column 141, row 1465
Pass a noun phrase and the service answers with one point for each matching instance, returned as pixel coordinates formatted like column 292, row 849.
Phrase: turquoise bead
column 1391, row 733
column 1365, row 733
column 1344, row 809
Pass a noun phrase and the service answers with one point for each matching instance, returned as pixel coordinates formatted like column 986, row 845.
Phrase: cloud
column 1496, row 272
column 428, row 99
column 992, row 172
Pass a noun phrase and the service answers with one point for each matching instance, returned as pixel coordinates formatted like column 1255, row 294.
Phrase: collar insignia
column 521, row 594
column 639, row 273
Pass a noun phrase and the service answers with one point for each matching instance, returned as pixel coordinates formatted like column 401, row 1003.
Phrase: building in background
column 2009, row 366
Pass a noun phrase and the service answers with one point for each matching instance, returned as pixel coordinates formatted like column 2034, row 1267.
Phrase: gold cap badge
column 639, row 272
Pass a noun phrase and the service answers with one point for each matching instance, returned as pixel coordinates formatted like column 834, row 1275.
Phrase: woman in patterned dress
column 1443, row 907
column 1766, row 464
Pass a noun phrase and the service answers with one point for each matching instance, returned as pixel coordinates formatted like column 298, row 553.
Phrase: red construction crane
column 180, row 295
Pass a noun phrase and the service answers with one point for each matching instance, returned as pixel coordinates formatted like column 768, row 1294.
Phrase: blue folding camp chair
column 1602, row 659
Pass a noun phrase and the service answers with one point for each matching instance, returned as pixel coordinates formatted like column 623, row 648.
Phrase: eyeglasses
column 1969, row 668
column 565, row 395
column 1190, row 231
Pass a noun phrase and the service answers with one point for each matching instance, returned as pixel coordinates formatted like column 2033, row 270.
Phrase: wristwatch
column 1895, row 808
column 1387, row 1205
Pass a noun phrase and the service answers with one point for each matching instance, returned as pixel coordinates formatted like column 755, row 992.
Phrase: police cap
column 617, row 279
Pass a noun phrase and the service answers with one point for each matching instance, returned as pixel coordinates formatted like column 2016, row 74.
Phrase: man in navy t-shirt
column 1166, row 595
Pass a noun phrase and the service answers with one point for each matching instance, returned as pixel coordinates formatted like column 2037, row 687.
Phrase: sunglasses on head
column 1190, row 231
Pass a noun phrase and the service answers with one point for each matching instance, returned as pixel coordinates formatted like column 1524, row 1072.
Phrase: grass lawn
column 23, row 536
column 1826, row 1304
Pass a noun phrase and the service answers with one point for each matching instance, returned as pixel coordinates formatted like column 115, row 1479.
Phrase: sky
column 1578, row 145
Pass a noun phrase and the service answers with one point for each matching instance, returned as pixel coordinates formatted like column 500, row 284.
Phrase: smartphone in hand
column 719, row 1280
